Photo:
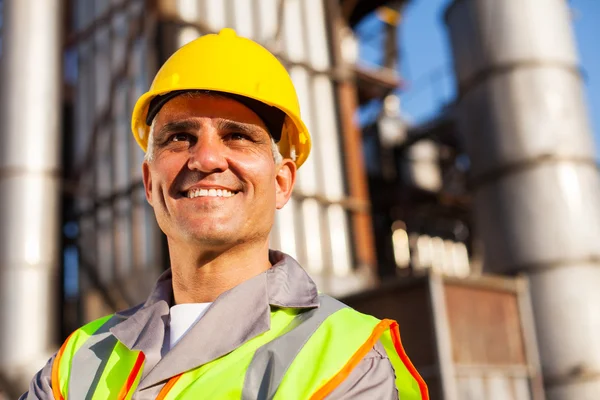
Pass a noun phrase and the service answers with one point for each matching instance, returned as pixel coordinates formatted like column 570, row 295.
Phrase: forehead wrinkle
column 231, row 125
column 180, row 126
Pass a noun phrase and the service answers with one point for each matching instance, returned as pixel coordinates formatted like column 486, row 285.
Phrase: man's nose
column 208, row 154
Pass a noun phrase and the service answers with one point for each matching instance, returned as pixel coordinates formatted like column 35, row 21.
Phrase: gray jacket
column 235, row 317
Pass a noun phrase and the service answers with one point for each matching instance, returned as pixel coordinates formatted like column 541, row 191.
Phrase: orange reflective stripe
column 165, row 390
column 139, row 361
column 55, row 372
column 362, row 352
column 122, row 393
column 395, row 331
column 353, row 362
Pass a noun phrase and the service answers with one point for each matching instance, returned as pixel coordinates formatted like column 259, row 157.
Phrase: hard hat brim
column 293, row 127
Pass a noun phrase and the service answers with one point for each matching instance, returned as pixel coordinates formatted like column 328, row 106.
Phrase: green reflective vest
column 315, row 351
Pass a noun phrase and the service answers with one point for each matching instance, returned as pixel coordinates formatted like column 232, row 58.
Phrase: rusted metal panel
column 469, row 338
column 410, row 307
column 494, row 316
column 494, row 386
column 487, row 282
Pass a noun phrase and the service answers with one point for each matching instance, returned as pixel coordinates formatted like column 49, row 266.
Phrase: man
column 230, row 319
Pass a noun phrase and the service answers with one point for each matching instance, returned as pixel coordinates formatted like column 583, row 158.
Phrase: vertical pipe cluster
column 30, row 116
column 535, row 180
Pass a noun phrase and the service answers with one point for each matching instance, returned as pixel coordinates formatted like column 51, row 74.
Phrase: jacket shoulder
column 87, row 330
column 351, row 315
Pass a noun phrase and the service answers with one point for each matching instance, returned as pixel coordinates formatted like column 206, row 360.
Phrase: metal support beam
column 355, row 171
column 535, row 183
column 30, row 116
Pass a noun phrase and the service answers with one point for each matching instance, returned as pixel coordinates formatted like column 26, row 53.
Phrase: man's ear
column 147, row 178
column 284, row 181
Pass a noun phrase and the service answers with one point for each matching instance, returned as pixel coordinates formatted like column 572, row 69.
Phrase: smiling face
column 212, row 179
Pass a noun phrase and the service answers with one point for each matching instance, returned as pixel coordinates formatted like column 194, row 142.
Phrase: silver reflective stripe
column 91, row 359
column 272, row 360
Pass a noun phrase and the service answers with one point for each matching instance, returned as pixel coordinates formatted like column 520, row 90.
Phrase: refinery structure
column 477, row 230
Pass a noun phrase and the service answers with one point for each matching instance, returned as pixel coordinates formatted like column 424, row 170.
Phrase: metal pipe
column 347, row 96
column 521, row 104
column 30, row 116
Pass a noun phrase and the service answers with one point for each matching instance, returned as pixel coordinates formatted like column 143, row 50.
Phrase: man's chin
column 213, row 236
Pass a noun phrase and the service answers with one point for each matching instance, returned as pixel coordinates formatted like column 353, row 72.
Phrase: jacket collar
column 288, row 285
column 235, row 317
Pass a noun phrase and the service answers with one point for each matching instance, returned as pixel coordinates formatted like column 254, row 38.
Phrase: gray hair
column 149, row 156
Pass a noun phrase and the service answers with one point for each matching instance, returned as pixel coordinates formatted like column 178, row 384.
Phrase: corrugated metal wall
column 114, row 243
column 108, row 65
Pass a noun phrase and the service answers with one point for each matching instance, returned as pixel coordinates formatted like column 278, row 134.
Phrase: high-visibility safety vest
column 315, row 351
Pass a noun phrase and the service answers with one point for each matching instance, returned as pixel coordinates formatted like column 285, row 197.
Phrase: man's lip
column 208, row 187
column 185, row 192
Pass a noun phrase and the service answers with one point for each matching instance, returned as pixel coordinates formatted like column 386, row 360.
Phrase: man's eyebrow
column 230, row 125
column 179, row 126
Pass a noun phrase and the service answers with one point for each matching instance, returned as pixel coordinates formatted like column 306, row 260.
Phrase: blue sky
column 428, row 75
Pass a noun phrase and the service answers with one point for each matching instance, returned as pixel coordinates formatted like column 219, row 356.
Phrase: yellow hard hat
column 232, row 65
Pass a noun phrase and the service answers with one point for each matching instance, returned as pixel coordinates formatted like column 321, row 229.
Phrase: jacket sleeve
column 372, row 379
column 40, row 387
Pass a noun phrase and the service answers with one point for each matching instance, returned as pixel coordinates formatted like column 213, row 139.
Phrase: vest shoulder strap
column 266, row 371
column 338, row 347
column 61, row 368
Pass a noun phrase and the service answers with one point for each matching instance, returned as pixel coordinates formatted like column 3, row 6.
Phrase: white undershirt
column 183, row 317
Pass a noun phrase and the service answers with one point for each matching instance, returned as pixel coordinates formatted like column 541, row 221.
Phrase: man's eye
column 237, row 136
column 180, row 137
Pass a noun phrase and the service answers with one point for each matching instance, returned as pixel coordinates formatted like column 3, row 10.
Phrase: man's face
column 212, row 179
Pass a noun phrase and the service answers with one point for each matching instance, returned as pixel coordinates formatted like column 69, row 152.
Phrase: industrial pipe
column 534, row 176
column 30, row 116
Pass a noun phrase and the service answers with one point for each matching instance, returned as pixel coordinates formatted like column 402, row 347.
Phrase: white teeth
column 209, row 193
